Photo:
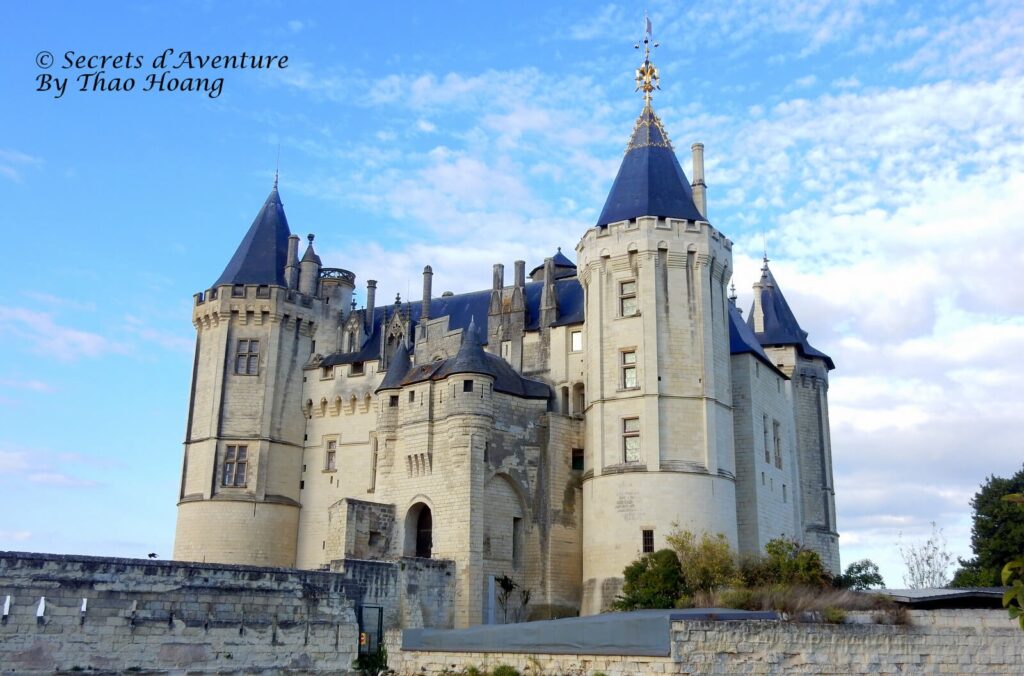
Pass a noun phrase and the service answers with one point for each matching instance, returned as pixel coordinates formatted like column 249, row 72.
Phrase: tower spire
column 647, row 77
column 277, row 165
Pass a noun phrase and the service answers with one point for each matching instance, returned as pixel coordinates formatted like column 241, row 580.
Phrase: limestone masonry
column 551, row 429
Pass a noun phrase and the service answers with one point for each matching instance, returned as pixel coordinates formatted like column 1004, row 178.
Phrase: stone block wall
column 169, row 615
column 945, row 641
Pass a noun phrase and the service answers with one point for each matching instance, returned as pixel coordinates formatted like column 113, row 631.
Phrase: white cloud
column 13, row 163
column 43, row 335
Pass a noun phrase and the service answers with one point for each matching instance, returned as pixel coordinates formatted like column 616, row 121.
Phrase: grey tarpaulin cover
column 643, row 632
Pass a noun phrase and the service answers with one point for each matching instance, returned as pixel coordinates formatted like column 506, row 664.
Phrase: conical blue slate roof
column 399, row 366
column 263, row 253
column 650, row 181
column 780, row 324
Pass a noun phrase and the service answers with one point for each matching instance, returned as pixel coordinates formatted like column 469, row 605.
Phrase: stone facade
column 550, row 430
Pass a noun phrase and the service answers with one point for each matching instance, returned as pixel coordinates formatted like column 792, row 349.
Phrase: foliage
column 927, row 563
column 860, row 576
column 507, row 587
column 372, row 664
column 652, row 581
column 1012, row 575
column 996, row 534
column 786, row 562
column 505, row 670
column 834, row 615
column 707, row 564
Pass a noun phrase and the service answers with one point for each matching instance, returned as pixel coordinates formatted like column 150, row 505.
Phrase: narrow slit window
column 648, row 541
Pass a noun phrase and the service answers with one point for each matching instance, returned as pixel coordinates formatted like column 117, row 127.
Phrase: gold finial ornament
column 647, row 78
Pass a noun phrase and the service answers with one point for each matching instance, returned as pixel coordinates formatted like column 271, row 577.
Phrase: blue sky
column 877, row 147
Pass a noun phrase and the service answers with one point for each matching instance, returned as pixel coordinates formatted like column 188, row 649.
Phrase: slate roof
column 563, row 266
column 470, row 359
column 650, row 181
column 780, row 324
column 263, row 253
column 743, row 341
column 469, row 307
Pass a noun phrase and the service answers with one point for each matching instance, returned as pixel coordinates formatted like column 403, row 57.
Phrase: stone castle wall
column 172, row 616
column 935, row 641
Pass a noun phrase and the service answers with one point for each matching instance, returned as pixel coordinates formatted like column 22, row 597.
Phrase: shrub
column 505, row 670
column 786, row 562
column 834, row 615
column 741, row 598
column 652, row 581
column 708, row 563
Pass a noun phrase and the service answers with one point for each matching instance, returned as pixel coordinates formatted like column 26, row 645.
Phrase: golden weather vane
column 647, row 78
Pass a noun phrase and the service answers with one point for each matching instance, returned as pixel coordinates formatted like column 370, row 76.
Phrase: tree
column 785, row 562
column 997, row 532
column 707, row 564
column 1013, row 574
column 652, row 581
column 860, row 576
column 927, row 564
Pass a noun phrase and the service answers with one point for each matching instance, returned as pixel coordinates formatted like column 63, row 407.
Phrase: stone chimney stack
column 548, row 296
column 499, row 277
column 520, row 274
column 428, row 277
column 291, row 268
column 371, row 298
column 700, row 189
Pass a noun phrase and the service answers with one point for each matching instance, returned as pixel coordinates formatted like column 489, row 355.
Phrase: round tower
column 239, row 497
column 659, row 432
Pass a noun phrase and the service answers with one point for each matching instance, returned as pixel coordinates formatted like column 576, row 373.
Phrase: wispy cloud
column 29, row 384
column 13, row 164
column 41, row 334
column 43, row 467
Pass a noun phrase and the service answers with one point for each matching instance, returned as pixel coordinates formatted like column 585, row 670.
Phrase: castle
column 551, row 430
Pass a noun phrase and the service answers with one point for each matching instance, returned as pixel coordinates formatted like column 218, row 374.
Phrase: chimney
column 291, row 268
column 699, row 188
column 428, row 276
column 548, row 297
column 520, row 274
column 371, row 297
column 499, row 277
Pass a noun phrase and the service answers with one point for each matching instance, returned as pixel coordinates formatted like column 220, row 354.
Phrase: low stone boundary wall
column 81, row 613
column 935, row 641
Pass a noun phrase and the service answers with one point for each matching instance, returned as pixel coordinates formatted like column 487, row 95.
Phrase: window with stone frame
column 576, row 341
column 247, row 357
column 331, row 455
column 236, row 460
column 647, row 540
column 777, row 434
column 627, row 299
column 631, row 439
column 627, row 362
column 506, row 350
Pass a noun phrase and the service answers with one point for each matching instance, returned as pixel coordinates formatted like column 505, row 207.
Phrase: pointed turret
column 262, row 256
column 397, row 369
column 774, row 323
column 563, row 267
column 470, row 357
column 309, row 270
column 650, row 181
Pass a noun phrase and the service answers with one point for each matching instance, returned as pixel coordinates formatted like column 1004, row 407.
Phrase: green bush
column 505, row 670
column 652, row 581
column 708, row 563
column 834, row 615
column 785, row 562
column 741, row 598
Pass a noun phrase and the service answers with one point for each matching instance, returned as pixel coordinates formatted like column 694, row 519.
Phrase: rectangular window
column 263, row 291
column 412, row 396
column 576, row 341
column 767, row 451
column 238, row 291
column 785, row 497
column 628, row 363
column 330, row 462
column 517, row 542
column 467, row 385
column 777, row 434
column 631, row 439
column 235, row 461
column 627, row 299
column 247, row 357
column 393, row 401
column 648, row 541
column 356, row 369
column 577, row 459
column 506, row 350
column 327, row 373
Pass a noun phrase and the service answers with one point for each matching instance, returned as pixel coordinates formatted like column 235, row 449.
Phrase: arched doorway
column 419, row 531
